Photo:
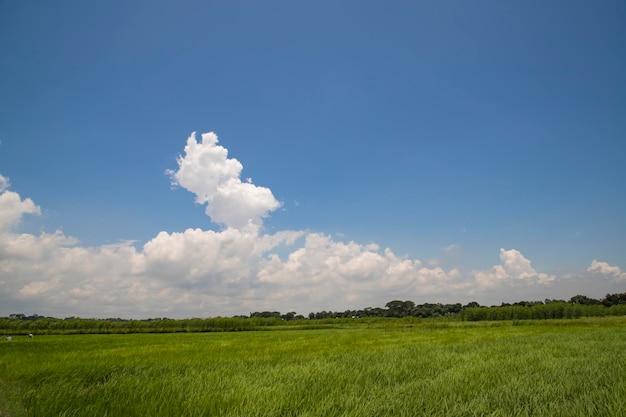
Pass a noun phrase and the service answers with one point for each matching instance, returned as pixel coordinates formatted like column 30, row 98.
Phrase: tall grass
column 550, row 368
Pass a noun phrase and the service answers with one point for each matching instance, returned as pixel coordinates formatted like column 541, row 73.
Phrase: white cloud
column 234, row 271
column 328, row 273
column 206, row 171
column 219, row 262
column 4, row 183
column 603, row 268
column 452, row 248
column 201, row 273
column 516, row 270
column 12, row 207
column 32, row 248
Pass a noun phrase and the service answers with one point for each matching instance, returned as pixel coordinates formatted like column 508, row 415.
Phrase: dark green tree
column 584, row 300
column 614, row 299
column 397, row 308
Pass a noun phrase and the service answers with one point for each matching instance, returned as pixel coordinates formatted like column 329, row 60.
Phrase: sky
column 216, row 158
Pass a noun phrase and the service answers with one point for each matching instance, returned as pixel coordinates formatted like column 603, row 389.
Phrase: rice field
column 389, row 368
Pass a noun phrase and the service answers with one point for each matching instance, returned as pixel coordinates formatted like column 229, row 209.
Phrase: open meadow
column 383, row 368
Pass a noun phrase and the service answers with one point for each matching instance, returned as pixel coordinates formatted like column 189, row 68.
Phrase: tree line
column 577, row 306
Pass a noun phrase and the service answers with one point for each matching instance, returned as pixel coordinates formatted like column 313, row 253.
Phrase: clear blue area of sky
column 411, row 124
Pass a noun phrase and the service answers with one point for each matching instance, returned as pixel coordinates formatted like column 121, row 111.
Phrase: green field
column 384, row 368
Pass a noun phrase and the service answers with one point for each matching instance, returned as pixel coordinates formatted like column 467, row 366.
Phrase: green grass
column 385, row 368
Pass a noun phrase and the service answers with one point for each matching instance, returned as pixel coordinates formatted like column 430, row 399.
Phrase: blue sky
column 468, row 138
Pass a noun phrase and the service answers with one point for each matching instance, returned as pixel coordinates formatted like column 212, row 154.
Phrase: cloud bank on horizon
column 242, row 268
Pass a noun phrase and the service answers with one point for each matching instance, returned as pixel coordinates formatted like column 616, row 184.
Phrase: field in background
column 382, row 368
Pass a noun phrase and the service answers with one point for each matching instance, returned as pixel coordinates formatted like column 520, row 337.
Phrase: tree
column 266, row 314
column 614, row 299
column 289, row 316
column 397, row 308
column 584, row 300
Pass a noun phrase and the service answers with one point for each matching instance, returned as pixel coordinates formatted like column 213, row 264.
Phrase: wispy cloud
column 452, row 248
column 4, row 183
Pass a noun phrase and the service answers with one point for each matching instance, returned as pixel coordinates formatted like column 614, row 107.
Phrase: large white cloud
column 239, row 269
column 334, row 273
column 206, row 171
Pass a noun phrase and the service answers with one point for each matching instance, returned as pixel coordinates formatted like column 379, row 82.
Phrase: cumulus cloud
column 206, row 171
column 603, row 268
column 217, row 262
column 515, row 270
column 233, row 271
column 12, row 207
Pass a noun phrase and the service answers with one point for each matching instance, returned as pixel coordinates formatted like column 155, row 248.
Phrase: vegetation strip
column 576, row 307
